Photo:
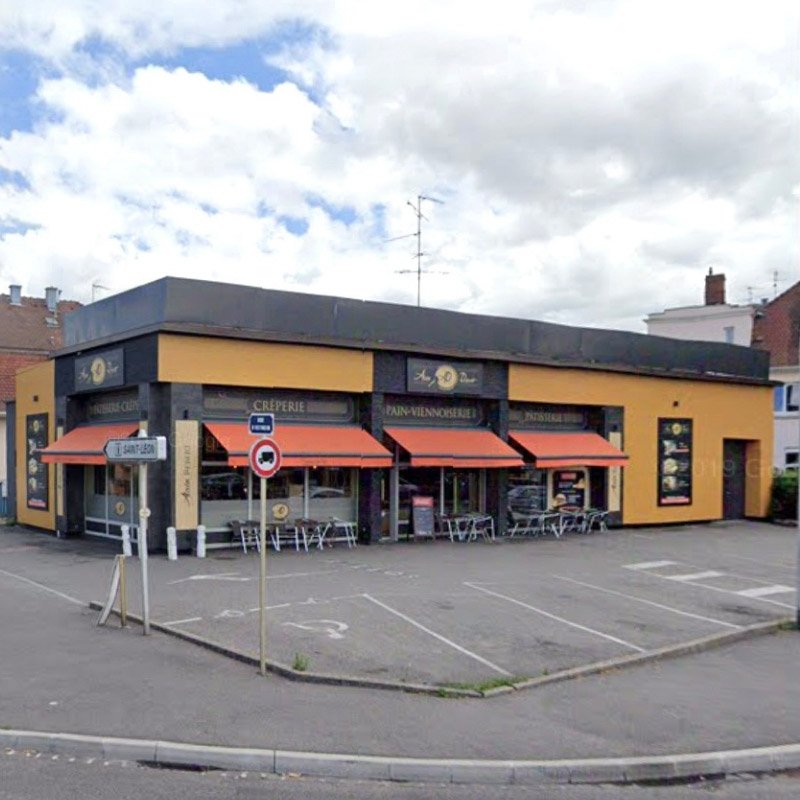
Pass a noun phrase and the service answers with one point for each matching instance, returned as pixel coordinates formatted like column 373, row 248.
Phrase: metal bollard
column 201, row 541
column 172, row 544
column 126, row 541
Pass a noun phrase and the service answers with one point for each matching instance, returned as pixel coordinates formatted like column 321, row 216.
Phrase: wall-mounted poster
column 569, row 488
column 36, row 474
column 674, row 462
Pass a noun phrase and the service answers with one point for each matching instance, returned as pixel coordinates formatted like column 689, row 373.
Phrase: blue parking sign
column 261, row 424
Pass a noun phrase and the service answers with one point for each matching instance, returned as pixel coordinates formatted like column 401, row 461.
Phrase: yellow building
column 396, row 419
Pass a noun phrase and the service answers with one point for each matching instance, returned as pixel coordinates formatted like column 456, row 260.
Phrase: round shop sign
column 280, row 511
column 265, row 457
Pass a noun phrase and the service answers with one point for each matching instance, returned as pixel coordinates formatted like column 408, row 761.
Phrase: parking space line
column 648, row 602
column 650, row 565
column 44, row 588
column 723, row 591
column 183, row 621
column 695, row 576
column 557, row 618
column 762, row 591
column 435, row 635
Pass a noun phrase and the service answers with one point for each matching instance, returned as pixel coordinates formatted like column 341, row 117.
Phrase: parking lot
column 457, row 613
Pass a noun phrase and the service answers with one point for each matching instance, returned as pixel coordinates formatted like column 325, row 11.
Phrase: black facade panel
column 390, row 375
column 140, row 364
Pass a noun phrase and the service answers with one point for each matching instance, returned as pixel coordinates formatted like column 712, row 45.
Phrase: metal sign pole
column 144, row 513
column 262, row 581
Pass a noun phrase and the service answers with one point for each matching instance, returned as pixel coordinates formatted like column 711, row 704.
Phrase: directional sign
column 265, row 457
column 261, row 424
column 137, row 450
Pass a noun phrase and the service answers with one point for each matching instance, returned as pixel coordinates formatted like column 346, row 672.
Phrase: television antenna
column 418, row 255
column 95, row 287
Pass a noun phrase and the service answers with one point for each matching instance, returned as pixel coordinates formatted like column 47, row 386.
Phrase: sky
column 592, row 158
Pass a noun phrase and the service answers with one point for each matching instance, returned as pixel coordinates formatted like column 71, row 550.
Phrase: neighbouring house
column 30, row 330
column 714, row 321
column 776, row 328
column 773, row 326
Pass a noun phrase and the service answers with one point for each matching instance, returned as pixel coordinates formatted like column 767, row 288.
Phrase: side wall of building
column 35, row 396
column 718, row 410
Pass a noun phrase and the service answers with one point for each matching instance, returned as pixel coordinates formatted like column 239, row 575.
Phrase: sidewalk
column 61, row 673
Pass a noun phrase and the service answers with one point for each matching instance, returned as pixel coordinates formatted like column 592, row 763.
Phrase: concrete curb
column 661, row 654
column 418, row 770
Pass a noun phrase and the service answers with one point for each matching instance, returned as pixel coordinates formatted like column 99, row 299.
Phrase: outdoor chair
column 596, row 519
column 246, row 533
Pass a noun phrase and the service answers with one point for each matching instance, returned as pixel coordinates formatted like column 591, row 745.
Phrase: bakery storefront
column 573, row 458
column 439, row 421
column 322, row 448
column 376, row 405
column 107, row 493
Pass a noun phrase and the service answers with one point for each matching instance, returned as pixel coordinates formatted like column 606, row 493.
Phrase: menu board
column 674, row 462
column 422, row 515
column 569, row 488
column 36, row 474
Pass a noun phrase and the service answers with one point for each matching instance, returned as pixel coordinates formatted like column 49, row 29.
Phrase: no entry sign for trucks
column 265, row 457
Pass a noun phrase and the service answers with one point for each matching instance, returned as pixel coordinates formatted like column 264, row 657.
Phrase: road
column 42, row 778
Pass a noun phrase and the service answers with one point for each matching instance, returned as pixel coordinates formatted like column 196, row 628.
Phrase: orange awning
column 85, row 445
column 569, row 449
column 455, row 447
column 306, row 445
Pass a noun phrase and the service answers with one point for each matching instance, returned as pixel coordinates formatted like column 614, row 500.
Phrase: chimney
column 15, row 294
column 715, row 289
column 51, row 298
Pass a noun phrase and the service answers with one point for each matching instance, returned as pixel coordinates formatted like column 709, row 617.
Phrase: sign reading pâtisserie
column 443, row 377
column 36, row 474
column 100, row 371
column 674, row 462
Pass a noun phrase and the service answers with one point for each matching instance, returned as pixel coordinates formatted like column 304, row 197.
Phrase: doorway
column 733, row 478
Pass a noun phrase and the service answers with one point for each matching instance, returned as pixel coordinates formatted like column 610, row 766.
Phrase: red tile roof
column 26, row 337
column 776, row 327
column 25, row 327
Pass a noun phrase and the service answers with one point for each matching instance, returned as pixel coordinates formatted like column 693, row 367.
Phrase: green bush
column 784, row 496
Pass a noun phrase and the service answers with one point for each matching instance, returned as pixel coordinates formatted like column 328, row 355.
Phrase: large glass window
column 527, row 491
column 461, row 493
column 228, row 494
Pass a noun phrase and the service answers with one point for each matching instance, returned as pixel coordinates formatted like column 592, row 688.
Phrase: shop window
column 527, row 491
column 223, row 483
column 287, row 484
column 329, row 483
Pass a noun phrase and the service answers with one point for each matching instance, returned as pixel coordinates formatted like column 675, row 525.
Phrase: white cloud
column 594, row 157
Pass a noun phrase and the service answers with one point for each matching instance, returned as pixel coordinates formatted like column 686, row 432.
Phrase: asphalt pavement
column 61, row 673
